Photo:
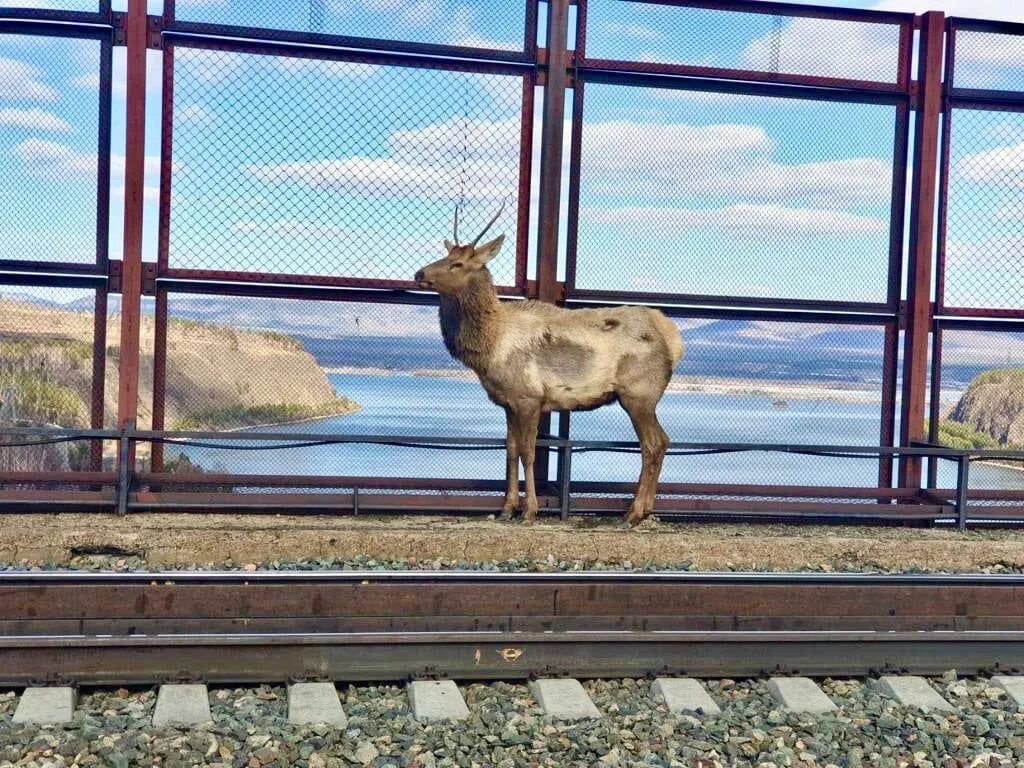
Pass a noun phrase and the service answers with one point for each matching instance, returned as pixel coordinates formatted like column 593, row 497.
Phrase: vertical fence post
column 134, row 184
column 962, row 484
column 550, row 192
column 922, row 241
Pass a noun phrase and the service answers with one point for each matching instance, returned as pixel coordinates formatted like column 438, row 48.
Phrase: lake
column 413, row 405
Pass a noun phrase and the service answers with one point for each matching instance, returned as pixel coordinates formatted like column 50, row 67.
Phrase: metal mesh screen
column 981, row 402
column 984, row 233
column 493, row 25
column 49, row 123
column 337, row 168
column 753, row 381
column 324, row 367
column 989, row 60
column 716, row 194
column 46, row 357
column 658, row 33
column 20, row 6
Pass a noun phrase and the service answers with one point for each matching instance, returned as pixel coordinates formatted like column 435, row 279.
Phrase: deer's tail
column 673, row 338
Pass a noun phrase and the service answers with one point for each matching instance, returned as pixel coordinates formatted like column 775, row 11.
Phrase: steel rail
column 236, row 627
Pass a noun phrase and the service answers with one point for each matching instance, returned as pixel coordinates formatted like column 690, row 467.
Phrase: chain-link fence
column 747, row 167
column 732, row 195
column 506, row 26
column 757, row 43
column 267, row 176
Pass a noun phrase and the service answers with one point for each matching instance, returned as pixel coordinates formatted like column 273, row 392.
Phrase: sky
column 338, row 167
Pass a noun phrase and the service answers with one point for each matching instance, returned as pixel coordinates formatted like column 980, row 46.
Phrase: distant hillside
column 217, row 377
column 990, row 414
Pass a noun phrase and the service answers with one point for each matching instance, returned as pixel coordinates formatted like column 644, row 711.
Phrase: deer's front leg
column 511, row 467
column 528, row 419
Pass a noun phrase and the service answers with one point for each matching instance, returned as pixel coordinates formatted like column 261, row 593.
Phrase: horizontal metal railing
column 125, row 479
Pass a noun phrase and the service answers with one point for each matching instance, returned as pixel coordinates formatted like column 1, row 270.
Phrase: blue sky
column 318, row 167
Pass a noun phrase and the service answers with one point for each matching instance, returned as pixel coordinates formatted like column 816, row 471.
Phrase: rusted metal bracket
column 149, row 272
column 117, row 21
column 154, row 32
column 115, row 268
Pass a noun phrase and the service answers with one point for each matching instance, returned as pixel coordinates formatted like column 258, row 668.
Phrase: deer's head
column 451, row 274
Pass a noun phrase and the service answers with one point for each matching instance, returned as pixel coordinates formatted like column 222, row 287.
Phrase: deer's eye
column 455, row 265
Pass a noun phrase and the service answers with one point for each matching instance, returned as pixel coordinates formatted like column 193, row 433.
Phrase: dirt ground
column 187, row 539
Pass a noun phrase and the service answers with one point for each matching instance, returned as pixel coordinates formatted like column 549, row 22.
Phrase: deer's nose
column 418, row 277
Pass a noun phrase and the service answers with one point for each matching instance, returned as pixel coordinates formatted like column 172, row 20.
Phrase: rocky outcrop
column 993, row 406
column 217, row 377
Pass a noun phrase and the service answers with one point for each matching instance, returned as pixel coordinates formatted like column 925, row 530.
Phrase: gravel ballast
column 506, row 728
column 169, row 541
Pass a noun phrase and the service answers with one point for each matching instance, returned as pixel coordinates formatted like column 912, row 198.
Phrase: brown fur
column 533, row 358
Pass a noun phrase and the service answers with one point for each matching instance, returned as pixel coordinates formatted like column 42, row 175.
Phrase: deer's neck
column 469, row 322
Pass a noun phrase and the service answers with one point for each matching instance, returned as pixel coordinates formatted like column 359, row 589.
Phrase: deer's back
column 579, row 359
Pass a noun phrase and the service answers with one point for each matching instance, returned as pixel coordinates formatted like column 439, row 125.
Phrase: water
column 412, row 405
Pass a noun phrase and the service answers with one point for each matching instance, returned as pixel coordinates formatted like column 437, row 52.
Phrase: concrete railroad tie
column 563, row 699
column 683, row 695
column 800, row 694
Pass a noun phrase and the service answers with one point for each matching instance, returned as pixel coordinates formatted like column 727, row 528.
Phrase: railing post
column 125, row 448
column 550, row 192
column 564, row 479
column 962, row 484
column 922, row 241
column 134, row 184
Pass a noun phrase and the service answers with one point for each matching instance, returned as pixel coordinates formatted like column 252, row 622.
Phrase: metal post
column 922, row 241
column 125, row 450
column 550, row 192
column 962, row 481
column 564, row 479
column 134, row 184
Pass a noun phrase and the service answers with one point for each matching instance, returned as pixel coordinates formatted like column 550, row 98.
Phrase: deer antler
column 491, row 222
column 455, row 234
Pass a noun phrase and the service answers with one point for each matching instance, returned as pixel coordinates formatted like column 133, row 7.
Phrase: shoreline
column 849, row 392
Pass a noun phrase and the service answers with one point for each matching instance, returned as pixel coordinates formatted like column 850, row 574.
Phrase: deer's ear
column 488, row 251
column 448, row 245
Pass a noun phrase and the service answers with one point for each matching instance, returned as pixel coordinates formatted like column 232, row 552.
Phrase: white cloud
column 1013, row 212
column 20, row 81
column 1003, row 166
column 635, row 31
column 209, row 66
column 734, row 160
column 90, row 80
column 374, row 176
column 870, row 51
column 740, row 219
column 51, row 159
column 35, row 119
column 1005, row 252
column 195, row 114
column 428, row 162
column 463, row 33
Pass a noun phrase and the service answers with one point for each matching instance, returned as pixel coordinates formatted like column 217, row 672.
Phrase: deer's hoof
column 507, row 513
column 530, row 516
column 635, row 517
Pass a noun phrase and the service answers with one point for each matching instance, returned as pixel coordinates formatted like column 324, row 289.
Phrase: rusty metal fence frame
column 926, row 99
column 101, row 276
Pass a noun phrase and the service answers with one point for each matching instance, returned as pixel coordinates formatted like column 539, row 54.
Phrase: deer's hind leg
column 653, row 445
column 508, row 509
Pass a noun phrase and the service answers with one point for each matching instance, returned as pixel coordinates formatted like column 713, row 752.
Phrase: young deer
column 533, row 358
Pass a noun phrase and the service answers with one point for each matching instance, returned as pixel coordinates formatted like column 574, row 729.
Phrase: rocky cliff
column 217, row 377
column 990, row 413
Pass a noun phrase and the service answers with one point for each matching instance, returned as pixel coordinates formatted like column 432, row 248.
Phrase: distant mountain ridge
column 407, row 337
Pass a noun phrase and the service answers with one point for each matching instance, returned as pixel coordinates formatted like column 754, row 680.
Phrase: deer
column 533, row 357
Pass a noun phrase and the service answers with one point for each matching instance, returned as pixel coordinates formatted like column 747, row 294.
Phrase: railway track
column 94, row 628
